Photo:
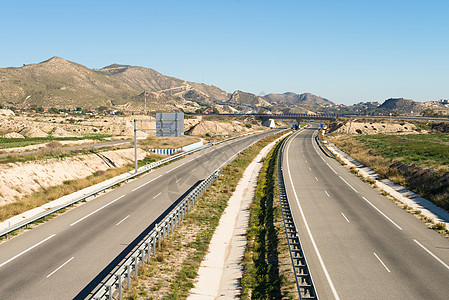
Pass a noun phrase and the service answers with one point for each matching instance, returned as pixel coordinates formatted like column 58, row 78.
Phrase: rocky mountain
column 293, row 98
column 239, row 97
column 409, row 107
column 65, row 84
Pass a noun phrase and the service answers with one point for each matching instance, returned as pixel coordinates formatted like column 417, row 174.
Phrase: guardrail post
column 142, row 257
column 154, row 246
column 136, row 261
column 119, row 285
column 128, row 274
column 109, row 287
column 147, row 247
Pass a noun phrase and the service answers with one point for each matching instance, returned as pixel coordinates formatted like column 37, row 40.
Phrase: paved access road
column 62, row 258
column 359, row 244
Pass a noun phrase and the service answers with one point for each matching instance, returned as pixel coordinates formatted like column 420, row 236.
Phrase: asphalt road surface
column 359, row 244
column 62, row 258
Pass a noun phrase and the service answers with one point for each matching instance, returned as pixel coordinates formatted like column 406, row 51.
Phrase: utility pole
column 135, row 145
column 145, row 93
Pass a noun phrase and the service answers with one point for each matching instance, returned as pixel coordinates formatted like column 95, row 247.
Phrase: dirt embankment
column 20, row 179
column 369, row 127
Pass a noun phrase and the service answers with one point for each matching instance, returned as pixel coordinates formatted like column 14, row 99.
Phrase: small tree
column 53, row 110
column 427, row 113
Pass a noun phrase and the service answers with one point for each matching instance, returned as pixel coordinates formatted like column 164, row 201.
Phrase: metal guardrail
column 113, row 286
column 323, row 146
column 304, row 283
column 142, row 170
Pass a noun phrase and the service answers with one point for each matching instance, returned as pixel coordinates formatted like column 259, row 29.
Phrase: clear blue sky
column 347, row 51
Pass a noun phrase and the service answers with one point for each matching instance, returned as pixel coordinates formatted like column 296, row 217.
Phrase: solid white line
column 192, row 159
column 332, row 168
column 316, row 179
column 349, row 184
column 60, row 267
column 97, row 210
column 327, row 194
column 433, row 255
column 232, row 157
column 382, row 262
column 25, row 251
column 122, row 220
column 323, row 266
column 146, row 183
column 157, row 195
column 345, row 217
column 175, row 168
column 399, row 227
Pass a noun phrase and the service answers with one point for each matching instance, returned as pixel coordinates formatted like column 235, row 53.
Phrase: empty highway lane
column 60, row 258
column 359, row 244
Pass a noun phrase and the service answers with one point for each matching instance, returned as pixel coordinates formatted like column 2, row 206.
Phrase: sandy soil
column 376, row 128
column 20, row 179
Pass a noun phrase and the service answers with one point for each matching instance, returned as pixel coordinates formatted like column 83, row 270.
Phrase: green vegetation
column 419, row 162
column 12, row 143
column 264, row 276
column 420, row 149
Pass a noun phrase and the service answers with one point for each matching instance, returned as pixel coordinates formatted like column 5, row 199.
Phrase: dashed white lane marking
column 323, row 266
column 122, row 220
column 310, row 168
column 175, row 168
column 194, row 170
column 157, row 195
column 345, row 217
column 386, row 217
column 316, row 179
column 306, row 161
column 178, row 179
column 349, row 185
column 327, row 194
column 146, row 183
column 433, row 255
column 97, row 210
column 192, row 159
column 60, row 267
column 388, row 270
column 25, row 251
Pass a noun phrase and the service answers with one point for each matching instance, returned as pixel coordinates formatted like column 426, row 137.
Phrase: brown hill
column 409, row 107
column 240, row 97
column 64, row 84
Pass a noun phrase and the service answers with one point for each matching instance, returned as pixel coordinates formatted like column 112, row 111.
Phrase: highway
column 66, row 257
column 358, row 243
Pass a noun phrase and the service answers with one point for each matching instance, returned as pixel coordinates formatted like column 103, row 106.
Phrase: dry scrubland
column 52, row 167
column 415, row 157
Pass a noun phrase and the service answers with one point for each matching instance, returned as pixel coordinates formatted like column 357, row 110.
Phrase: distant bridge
column 298, row 117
